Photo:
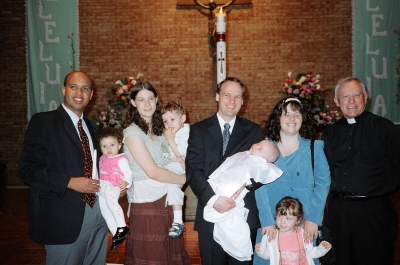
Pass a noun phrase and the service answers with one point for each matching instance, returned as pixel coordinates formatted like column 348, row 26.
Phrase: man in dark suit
column 206, row 152
column 53, row 164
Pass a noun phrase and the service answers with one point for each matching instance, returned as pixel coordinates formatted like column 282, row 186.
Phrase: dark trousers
column 364, row 232
column 212, row 253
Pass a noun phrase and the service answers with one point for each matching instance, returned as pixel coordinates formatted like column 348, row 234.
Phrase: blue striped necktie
column 225, row 137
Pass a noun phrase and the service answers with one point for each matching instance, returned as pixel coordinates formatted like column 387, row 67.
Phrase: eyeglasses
column 347, row 97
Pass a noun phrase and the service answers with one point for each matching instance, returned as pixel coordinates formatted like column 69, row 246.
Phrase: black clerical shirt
column 364, row 157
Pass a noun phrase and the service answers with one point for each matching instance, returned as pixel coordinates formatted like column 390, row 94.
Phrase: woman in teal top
column 290, row 127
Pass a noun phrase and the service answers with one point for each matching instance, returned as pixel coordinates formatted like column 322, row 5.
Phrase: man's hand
column 224, row 204
column 84, row 185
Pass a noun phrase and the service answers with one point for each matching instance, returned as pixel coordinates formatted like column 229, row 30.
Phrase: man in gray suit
column 53, row 164
column 206, row 152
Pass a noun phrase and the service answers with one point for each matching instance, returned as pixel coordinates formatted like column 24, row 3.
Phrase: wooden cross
column 215, row 7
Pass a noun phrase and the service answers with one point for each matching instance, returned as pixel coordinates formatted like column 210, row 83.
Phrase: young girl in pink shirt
column 289, row 248
column 115, row 176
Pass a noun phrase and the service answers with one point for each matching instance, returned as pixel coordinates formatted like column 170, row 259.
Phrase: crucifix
column 214, row 9
column 216, row 29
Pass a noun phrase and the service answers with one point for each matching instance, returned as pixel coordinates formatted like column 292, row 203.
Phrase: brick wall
column 13, row 96
column 169, row 45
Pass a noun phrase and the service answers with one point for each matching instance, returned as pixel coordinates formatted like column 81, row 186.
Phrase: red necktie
column 90, row 198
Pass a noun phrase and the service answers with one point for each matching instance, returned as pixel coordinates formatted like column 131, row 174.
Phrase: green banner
column 52, row 50
column 376, row 54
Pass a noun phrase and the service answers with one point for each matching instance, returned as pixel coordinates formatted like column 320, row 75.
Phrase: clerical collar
column 357, row 119
column 351, row 121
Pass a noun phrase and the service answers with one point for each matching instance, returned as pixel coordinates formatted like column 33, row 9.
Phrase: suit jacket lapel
column 215, row 131
column 69, row 128
column 234, row 140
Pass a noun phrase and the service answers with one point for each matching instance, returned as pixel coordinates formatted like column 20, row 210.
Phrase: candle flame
column 220, row 10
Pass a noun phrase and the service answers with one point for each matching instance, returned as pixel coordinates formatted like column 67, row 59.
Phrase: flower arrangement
column 121, row 91
column 327, row 117
column 118, row 104
column 307, row 88
column 110, row 118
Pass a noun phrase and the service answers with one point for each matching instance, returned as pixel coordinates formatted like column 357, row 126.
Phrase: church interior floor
column 17, row 248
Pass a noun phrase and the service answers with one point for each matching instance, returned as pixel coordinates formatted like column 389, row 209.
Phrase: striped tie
column 225, row 137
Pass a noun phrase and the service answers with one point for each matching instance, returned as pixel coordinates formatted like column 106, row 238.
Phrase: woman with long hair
column 150, row 217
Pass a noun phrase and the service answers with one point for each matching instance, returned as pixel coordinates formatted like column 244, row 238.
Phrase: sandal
column 176, row 231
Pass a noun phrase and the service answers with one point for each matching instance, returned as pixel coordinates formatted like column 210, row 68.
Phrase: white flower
column 119, row 83
column 140, row 75
column 290, row 74
column 302, row 79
